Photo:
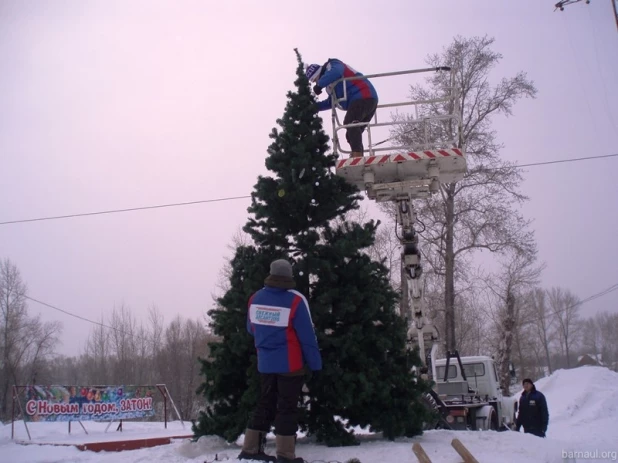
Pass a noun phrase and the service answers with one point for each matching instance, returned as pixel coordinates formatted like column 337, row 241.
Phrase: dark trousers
column 278, row 402
column 358, row 111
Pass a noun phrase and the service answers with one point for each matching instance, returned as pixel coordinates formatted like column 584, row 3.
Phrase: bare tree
column 479, row 211
column 527, row 348
column 123, row 342
column 564, row 306
column 543, row 324
column 157, row 330
column 185, row 341
column 26, row 342
column 608, row 325
column 511, row 287
column 98, row 354
column 240, row 238
column 387, row 249
column 599, row 338
column 591, row 337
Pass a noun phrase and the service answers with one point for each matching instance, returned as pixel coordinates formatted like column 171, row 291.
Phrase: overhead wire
column 598, row 295
column 232, row 198
column 114, row 211
column 118, row 330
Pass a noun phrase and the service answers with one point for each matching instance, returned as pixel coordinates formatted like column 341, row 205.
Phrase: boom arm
column 421, row 330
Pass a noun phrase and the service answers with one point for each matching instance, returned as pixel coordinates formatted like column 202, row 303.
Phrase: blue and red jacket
column 358, row 89
column 281, row 324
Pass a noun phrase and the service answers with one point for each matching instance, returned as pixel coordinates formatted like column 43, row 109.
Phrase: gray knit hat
column 281, row 268
column 281, row 275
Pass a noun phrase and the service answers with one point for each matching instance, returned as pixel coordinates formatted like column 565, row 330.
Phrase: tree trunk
column 522, row 369
column 546, row 347
column 507, row 347
column 567, row 351
column 449, row 259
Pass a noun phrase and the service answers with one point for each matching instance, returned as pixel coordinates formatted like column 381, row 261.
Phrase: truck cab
column 473, row 397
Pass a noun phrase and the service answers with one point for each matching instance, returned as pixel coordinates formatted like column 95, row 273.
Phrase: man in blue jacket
column 279, row 320
column 361, row 98
column 533, row 414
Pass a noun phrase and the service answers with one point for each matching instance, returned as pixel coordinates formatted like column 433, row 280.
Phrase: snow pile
column 204, row 446
column 582, row 401
column 582, row 395
column 58, row 432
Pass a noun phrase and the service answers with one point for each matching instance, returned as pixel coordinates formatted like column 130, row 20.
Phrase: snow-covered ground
column 583, row 407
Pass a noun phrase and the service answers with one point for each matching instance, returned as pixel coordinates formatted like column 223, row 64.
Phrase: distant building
column 590, row 359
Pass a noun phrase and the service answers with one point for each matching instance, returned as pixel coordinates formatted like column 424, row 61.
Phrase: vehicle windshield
column 474, row 369
column 452, row 372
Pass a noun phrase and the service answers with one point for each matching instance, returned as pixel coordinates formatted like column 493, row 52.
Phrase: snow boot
column 253, row 447
column 286, row 450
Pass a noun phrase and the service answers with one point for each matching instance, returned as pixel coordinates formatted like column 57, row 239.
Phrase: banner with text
column 73, row 403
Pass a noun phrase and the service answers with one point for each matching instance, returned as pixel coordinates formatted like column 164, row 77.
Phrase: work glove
column 317, row 89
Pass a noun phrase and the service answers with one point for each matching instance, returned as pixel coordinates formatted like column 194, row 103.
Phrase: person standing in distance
column 533, row 414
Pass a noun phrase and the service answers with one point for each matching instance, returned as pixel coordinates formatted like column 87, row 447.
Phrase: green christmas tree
column 299, row 214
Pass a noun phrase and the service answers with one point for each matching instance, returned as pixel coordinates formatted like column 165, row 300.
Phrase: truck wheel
column 487, row 418
column 493, row 419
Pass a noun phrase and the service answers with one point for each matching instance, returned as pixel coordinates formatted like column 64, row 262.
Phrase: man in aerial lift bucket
column 361, row 97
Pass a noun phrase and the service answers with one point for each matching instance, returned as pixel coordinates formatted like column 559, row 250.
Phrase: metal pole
column 13, row 416
column 335, row 135
column 82, row 425
column 174, row 405
column 22, row 412
column 396, row 73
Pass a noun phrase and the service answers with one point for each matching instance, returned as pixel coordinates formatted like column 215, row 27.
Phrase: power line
column 611, row 289
column 601, row 293
column 231, row 198
column 118, row 330
column 114, row 211
column 518, row 166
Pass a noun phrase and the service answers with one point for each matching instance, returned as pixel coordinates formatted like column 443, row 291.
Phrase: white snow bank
column 58, row 433
column 583, row 406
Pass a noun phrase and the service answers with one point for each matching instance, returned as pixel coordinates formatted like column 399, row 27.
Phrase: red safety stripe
column 295, row 355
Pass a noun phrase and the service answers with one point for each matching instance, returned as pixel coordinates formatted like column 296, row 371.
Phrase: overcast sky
column 117, row 104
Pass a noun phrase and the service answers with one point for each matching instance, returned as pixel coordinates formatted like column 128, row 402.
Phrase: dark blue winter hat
column 312, row 71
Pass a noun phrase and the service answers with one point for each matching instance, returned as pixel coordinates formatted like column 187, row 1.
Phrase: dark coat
column 533, row 413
